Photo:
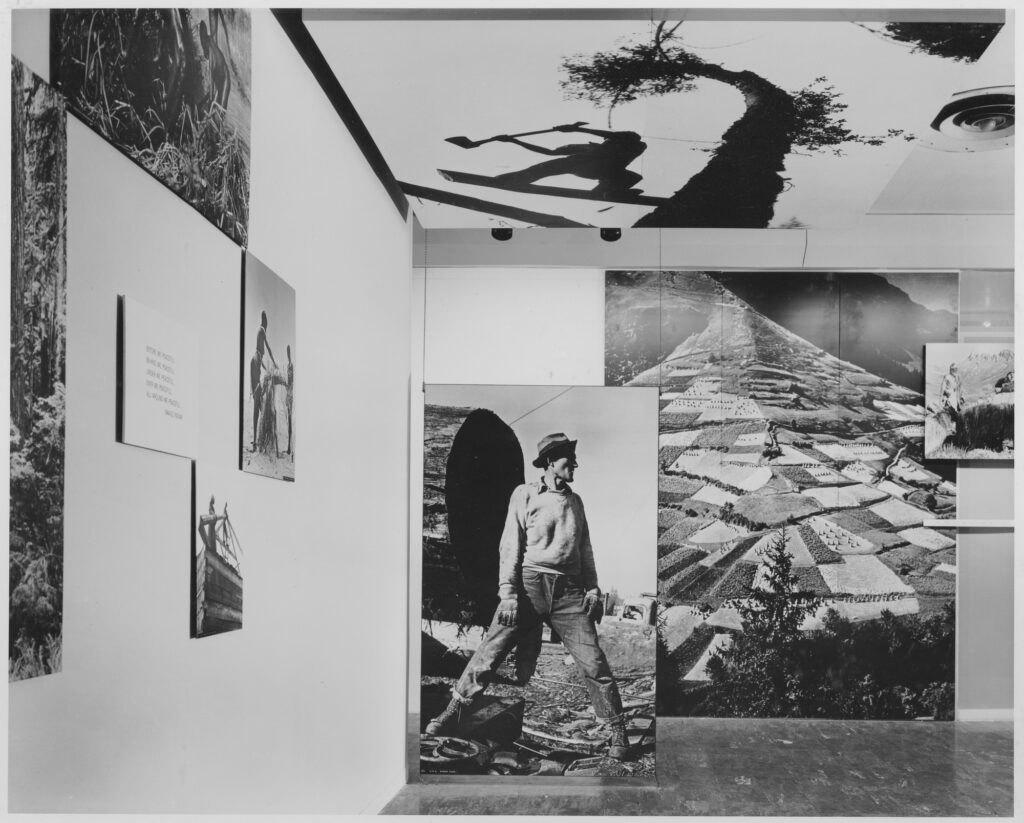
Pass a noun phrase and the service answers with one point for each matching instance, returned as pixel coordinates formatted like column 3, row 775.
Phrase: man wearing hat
column 546, row 573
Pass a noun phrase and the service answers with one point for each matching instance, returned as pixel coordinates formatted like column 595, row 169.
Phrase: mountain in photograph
column 881, row 328
column 793, row 496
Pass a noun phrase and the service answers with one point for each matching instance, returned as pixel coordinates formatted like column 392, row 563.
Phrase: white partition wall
column 302, row 711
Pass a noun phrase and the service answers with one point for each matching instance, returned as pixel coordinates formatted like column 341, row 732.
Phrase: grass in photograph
column 110, row 68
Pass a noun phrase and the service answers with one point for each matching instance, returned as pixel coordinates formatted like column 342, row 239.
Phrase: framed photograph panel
column 38, row 365
column 268, row 373
column 216, row 574
column 171, row 89
column 969, row 394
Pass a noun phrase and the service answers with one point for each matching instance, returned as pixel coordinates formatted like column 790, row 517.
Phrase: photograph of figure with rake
column 539, row 530
column 171, row 89
column 268, row 373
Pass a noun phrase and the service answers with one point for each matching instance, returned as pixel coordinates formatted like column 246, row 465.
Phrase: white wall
column 303, row 709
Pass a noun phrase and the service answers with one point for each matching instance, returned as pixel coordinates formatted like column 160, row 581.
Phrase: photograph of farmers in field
column 268, row 374
column 651, row 123
column 538, row 607
column 216, row 555
column 171, row 88
column 969, row 397
column 796, row 577
column 38, row 360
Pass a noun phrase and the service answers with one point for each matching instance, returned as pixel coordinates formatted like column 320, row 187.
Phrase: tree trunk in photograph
column 484, row 465
column 20, row 401
column 740, row 184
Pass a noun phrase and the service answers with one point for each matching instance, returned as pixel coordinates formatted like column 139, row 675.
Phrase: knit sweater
column 545, row 530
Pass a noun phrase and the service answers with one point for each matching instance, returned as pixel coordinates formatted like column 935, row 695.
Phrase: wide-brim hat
column 556, row 442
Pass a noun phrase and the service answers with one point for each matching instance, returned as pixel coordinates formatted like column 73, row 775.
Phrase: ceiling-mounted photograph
column 665, row 122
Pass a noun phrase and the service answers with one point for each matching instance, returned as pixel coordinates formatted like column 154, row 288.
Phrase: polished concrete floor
column 768, row 767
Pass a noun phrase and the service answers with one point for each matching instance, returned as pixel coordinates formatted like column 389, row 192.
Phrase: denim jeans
column 557, row 600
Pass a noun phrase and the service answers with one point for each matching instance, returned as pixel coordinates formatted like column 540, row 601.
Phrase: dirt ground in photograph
column 282, row 467
column 558, row 705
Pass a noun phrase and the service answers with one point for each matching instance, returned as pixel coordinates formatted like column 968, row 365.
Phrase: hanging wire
column 542, row 405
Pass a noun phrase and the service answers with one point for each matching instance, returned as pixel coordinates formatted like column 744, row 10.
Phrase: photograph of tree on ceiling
column 657, row 123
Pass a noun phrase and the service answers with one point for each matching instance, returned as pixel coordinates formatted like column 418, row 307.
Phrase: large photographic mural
column 796, row 576
column 648, row 123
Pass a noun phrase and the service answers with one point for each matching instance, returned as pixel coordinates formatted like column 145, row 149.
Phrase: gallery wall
column 285, row 715
column 495, row 314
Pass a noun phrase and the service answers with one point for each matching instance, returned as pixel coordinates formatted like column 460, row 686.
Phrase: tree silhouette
column 956, row 41
column 740, row 184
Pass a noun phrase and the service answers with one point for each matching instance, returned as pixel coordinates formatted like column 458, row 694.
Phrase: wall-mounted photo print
column 158, row 376
column 171, row 88
column 538, row 601
column 38, row 360
column 969, row 396
column 654, row 123
column 216, row 601
column 268, row 373
column 793, row 489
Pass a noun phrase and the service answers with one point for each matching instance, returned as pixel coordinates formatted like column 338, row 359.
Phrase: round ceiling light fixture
column 977, row 120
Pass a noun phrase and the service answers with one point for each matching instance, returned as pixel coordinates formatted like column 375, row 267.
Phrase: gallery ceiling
column 608, row 119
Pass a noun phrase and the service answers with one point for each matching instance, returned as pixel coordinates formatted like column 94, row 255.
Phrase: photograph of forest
column 796, row 576
column 38, row 358
column 171, row 88
column 652, row 123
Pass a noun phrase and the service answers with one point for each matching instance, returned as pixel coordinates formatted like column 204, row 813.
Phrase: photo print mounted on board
column 268, row 373
column 158, row 381
column 216, row 592
column 969, row 399
column 171, row 89
column 502, row 533
column 793, row 488
column 658, row 123
column 38, row 361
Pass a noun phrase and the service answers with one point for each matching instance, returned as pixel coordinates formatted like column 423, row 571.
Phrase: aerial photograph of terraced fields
column 801, row 571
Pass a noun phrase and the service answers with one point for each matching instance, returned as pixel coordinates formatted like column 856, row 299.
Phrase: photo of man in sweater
column 546, row 573
column 538, row 604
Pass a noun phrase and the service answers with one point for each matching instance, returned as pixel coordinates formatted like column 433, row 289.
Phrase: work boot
column 450, row 719
column 618, row 743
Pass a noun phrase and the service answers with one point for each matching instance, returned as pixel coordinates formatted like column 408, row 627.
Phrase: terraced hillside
column 761, row 430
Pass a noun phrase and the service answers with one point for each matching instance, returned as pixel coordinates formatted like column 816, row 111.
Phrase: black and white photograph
column 171, row 88
column 539, row 589
column 794, row 489
column 969, row 399
column 650, row 123
column 158, row 380
column 38, row 375
column 268, row 373
column 217, row 555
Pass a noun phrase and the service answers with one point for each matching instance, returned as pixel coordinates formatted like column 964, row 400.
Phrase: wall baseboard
column 984, row 714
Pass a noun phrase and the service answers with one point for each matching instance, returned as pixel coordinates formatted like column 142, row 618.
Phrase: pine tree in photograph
column 758, row 676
